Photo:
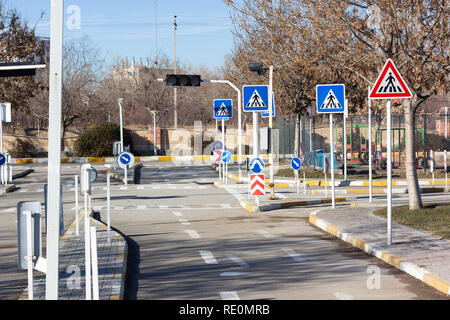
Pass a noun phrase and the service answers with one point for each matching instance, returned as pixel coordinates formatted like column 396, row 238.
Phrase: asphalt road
column 190, row 240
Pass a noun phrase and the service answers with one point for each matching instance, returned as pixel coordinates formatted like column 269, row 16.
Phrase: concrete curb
column 384, row 191
column 414, row 270
column 120, row 254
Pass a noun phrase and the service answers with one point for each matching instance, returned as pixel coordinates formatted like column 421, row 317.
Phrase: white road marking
column 238, row 261
column 280, row 195
column 297, row 257
column 232, row 274
column 156, row 187
column 178, row 214
column 141, row 207
column 118, row 208
column 123, row 188
column 163, row 207
column 24, row 190
column 98, row 208
column 188, row 187
column 229, row 295
column 343, row 296
column 141, row 187
column 225, row 205
column 193, row 234
column 184, row 222
column 10, row 210
column 40, row 190
column 265, row 233
column 208, row 257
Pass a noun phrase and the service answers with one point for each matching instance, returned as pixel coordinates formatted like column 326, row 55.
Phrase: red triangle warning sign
column 390, row 84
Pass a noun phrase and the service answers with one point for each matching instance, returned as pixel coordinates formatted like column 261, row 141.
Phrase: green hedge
column 98, row 141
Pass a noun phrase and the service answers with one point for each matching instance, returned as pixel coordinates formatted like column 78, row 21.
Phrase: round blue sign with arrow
column 126, row 159
column 226, row 157
column 216, row 145
column 2, row 159
column 296, row 164
column 257, row 165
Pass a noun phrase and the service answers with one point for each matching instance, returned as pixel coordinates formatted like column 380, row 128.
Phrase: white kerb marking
column 208, row 257
column 177, row 213
column 297, row 257
column 193, row 234
column 229, row 295
column 184, row 222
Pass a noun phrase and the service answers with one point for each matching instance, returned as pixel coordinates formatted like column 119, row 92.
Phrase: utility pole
column 175, row 112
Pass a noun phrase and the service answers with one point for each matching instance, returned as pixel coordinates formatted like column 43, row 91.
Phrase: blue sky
column 127, row 28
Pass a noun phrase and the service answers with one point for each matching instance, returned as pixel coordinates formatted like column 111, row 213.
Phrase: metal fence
column 432, row 138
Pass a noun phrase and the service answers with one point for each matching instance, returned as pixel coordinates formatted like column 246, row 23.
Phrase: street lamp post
column 120, row 100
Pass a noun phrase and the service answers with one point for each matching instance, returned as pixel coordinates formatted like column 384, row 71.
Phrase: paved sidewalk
column 112, row 258
column 418, row 254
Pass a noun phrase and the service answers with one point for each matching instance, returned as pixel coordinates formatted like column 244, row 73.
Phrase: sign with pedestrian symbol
column 2, row 159
column 226, row 156
column 330, row 98
column 296, row 164
column 390, row 84
column 126, row 160
column 257, row 165
column 256, row 98
column 223, row 109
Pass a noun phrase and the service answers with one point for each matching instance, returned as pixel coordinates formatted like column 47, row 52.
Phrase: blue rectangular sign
column 265, row 114
column 330, row 98
column 223, row 109
column 256, row 98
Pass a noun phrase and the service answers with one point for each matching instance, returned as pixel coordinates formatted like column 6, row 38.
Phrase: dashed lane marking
column 177, row 213
column 208, row 257
column 184, row 222
column 193, row 234
column 238, row 261
column 229, row 295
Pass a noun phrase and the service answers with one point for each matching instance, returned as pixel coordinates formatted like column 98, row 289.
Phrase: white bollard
column 87, row 249
column 94, row 263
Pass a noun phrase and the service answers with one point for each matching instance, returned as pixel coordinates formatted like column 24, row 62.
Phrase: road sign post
column 331, row 99
column 77, row 207
column 369, row 102
column 389, row 85
column 54, row 147
column 126, row 160
column 296, row 164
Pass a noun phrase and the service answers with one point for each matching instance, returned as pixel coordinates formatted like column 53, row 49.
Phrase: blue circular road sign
column 296, row 163
column 126, row 159
column 2, row 159
column 256, row 165
column 216, row 145
column 226, row 157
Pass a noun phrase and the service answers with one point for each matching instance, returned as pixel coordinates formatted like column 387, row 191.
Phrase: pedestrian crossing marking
column 331, row 102
column 223, row 111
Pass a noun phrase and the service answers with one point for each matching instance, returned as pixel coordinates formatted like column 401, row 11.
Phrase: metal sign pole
column 271, row 170
column 93, row 236
column 108, row 205
column 1, row 129
column 121, row 124
column 298, row 181
column 87, row 249
column 304, row 181
column 333, row 199
column 389, row 173
column 77, row 208
column 239, row 133
column 345, row 139
column 30, row 252
column 370, row 147
column 223, row 146
column 54, row 148
column 126, row 175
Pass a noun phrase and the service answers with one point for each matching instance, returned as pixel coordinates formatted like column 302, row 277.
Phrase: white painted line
column 118, row 208
column 123, row 188
column 193, row 234
column 24, row 190
column 178, row 214
column 184, row 222
column 141, row 207
column 225, row 205
column 163, row 207
column 343, row 296
column 232, row 274
column 238, row 261
column 97, row 208
column 297, row 257
column 188, row 187
column 141, row 187
column 40, row 190
column 229, row 295
column 208, row 257
column 156, row 187
column 266, row 234
column 280, row 195
column 10, row 210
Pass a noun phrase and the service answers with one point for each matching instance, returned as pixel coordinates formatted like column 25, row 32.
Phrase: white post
column 389, row 173
column 1, row 129
column 445, row 168
column 310, row 129
column 77, row 208
column 126, row 175
column 446, row 125
column 298, row 181
column 223, row 146
column 154, row 134
column 432, row 165
column 370, row 148
column 271, row 170
column 30, row 252
column 87, row 249
column 304, row 181
column 94, row 263
column 121, row 124
column 345, row 138
column 333, row 199
column 108, row 205
column 54, row 148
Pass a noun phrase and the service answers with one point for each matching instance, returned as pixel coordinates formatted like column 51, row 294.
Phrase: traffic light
column 257, row 67
column 183, row 80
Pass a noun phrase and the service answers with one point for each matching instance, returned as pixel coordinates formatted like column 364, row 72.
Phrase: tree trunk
column 415, row 199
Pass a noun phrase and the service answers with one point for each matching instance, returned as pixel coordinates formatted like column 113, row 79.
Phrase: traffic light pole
column 270, row 129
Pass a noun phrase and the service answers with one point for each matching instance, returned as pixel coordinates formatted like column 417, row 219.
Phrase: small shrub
column 98, row 141
column 22, row 149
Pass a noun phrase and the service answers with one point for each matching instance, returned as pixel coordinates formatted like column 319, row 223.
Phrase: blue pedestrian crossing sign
column 223, row 109
column 226, row 156
column 265, row 114
column 296, row 164
column 256, row 98
column 257, row 165
column 2, row 159
column 330, row 98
